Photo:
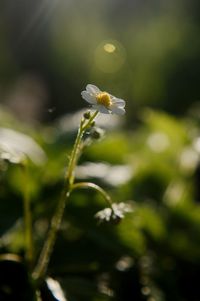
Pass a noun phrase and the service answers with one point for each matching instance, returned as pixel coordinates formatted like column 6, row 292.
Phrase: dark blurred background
column 146, row 52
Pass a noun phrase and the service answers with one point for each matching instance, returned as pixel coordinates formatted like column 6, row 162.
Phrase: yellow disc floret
column 103, row 98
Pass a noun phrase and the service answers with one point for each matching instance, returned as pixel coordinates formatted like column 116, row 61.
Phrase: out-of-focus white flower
column 115, row 213
column 16, row 147
column 103, row 101
column 114, row 175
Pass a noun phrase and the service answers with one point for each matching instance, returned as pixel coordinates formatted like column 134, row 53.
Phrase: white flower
column 103, row 101
column 15, row 147
column 115, row 213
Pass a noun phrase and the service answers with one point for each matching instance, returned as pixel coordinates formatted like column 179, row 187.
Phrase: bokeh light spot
column 109, row 56
column 108, row 47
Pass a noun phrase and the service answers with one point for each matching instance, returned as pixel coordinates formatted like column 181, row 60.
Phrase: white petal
column 92, row 89
column 88, row 97
column 117, row 109
column 101, row 109
column 120, row 102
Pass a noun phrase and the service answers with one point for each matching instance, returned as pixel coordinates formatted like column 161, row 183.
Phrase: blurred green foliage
column 153, row 254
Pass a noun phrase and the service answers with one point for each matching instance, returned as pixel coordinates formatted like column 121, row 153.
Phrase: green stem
column 73, row 158
column 43, row 261
column 86, row 185
column 90, row 121
column 76, row 149
column 27, row 216
column 44, row 258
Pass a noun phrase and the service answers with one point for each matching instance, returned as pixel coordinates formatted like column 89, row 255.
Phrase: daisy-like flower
column 103, row 101
column 115, row 213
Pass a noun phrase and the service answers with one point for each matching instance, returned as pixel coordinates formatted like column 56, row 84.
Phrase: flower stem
column 44, row 258
column 95, row 187
column 73, row 158
column 88, row 124
column 27, row 216
column 76, row 149
column 43, row 261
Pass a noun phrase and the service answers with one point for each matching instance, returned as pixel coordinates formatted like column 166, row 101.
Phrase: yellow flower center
column 103, row 98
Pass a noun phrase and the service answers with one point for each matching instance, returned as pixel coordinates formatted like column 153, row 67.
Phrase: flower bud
column 87, row 115
column 97, row 133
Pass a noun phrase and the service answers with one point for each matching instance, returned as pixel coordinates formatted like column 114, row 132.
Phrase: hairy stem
column 44, row 258
column 43, row 261
column 76, row 149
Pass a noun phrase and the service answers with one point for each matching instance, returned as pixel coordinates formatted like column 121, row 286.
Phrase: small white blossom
column 104, row 215
column 115, row 213
column 103, row 101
